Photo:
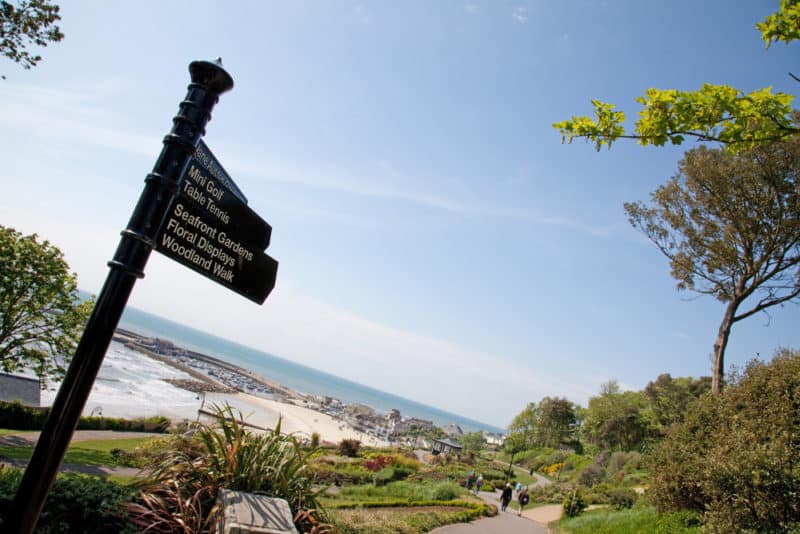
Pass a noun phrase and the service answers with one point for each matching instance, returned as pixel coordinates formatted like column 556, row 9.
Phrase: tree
column 736, row 458
column 513, row 445
column 549, row 423
column 524, row 426
column 669, row 397
column 557, row 422
column 713, row 113
column 41, row 316
column 30, row 22
column 728, row 223
column 472, row 441
column 617, row 419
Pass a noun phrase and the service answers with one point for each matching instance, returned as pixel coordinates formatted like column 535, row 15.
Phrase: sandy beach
column 131, row 384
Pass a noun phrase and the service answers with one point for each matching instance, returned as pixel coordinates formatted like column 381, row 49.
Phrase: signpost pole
column 209, row 80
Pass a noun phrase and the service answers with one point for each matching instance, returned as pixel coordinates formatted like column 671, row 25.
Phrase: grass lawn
column 93, row 452
column 7, row 432
column 398, row 520
column 640, row 519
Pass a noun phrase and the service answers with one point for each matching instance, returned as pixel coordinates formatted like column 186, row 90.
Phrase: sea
column 293, row 375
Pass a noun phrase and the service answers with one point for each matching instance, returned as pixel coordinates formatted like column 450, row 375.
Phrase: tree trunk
column 718, row 369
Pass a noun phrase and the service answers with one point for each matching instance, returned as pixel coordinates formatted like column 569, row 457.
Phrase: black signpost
column 227, row 246
column 209, row 229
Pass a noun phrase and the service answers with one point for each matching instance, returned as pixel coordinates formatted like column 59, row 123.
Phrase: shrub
column 574, row 504
column 18, row 417
column 735, row 457
column 76, row 503
column 146, row 454
column 378, row 463
column 622, row 498
column 349, row 447
column 402, row 490
column 591, row 475
column 553, row 468
column 552, row 493
column 182, row 490
column 314, row 440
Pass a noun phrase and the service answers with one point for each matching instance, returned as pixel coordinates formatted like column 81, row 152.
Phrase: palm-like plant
column 181, row 491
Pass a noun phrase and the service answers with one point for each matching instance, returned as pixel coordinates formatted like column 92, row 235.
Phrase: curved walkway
column 532, row 521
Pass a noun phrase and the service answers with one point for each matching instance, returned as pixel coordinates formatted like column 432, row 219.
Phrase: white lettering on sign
column 194, row 221
column 197, row 176
column 215, row 210
column 235, row 247
column 213, row 190
column 197, row 185
column 194, row 193
column 192, row 239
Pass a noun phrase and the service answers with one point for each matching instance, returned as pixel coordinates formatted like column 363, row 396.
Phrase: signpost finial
column 212, row 75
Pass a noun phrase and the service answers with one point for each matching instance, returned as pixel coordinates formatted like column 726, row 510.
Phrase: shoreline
column 262, row 402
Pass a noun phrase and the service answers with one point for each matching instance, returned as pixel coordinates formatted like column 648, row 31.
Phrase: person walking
column 470, row 480
column 522, row 499
column 505, row 497
column 478, row 483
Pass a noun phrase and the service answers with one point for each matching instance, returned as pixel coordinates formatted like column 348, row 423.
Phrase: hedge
column 14, row 415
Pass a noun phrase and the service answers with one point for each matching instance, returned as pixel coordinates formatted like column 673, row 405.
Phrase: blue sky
column 436, row 240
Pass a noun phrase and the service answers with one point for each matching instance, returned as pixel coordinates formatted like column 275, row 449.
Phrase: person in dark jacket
column 522, row 499
column 505, row 497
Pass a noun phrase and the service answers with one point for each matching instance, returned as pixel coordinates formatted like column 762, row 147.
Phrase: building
column 19, row 388
column 444, row 446
column 453, row 430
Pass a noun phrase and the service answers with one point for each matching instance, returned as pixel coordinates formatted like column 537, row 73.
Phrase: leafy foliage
column 180, row 494
column 425, row 491
column 29, row 22
column 349, row 447
column 574, row 504
column 622, row 498
column 472, row 441
column 618, row 419
column 736, row 458
column 633, row 521
column 783, row 25
column 76, row 503
column 668, row 397
column 712, row 113
column 549, row 423
column 15, row 415
column 41, row 317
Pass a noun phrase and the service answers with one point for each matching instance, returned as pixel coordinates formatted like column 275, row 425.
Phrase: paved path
column 99, row 470
column 503, row 523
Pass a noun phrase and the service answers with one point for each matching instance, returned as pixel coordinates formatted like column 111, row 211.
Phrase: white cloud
column 520, row 14
column 362, row 14
column 75, row 115
column 70, row 115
